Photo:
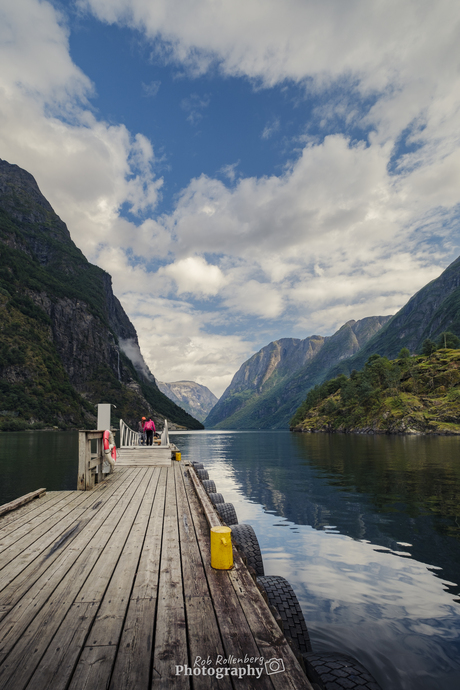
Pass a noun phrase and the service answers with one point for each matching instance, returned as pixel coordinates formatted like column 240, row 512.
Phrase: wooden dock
column 144, row 456
column 113, row 588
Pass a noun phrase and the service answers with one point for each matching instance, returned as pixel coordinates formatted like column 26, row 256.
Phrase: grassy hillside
column 418, row 394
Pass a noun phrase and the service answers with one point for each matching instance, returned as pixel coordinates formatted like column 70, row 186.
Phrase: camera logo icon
column 274, row 666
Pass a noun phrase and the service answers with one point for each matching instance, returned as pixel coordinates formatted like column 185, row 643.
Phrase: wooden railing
column 128, row 437
column 90, row 464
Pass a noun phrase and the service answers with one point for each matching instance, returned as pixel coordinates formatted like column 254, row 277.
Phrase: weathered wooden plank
column 25, row 512
column 57, row 665
column 34, row 626
column 203, row 633
column 59, row 527
column 22, row 535
column 237, row 638
column 21, row 501
column 134, row 658
column 170, row 647
column 69, row 514
column 204, row 641
column 133, row 662
column 60, row 658
column 146, row 584
column 93, row 668
column 21, row 573
column 206, row 503
column 7, row 527
column 195, row 584
column 107, row 627
column 103, row 569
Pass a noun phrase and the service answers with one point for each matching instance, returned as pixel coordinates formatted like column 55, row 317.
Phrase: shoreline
column 378, row 432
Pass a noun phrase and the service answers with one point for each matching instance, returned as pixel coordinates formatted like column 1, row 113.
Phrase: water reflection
column 31, row 460
column 365, row 529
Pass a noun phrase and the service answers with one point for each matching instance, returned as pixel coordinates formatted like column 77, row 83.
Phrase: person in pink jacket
column 149, row 428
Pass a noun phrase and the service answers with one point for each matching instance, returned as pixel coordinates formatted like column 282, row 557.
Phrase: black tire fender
column 244, row 536
column 217, row 498
column 202, row 474
column 281, row 595
column 332, row 670
column 209, row 486
column 227, row 512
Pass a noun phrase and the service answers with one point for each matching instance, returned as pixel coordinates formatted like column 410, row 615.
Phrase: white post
column 165, row 435
column 103, row 416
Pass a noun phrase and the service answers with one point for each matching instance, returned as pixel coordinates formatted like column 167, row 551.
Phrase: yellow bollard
column 221, row 548
column 178, row 456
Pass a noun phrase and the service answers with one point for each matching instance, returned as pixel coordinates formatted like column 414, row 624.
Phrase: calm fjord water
column 366, row 529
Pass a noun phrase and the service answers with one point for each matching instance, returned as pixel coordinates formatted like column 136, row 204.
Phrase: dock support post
column 88, row 464
column 81, row 484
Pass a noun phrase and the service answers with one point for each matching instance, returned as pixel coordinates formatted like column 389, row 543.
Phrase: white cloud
column 176, row 346
column 87, row 168
column 195, row 275
column 338, row 234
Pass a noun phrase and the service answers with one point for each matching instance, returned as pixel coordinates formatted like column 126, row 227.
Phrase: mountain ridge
column 272, row 404
column 193, row 397
column 61, row 326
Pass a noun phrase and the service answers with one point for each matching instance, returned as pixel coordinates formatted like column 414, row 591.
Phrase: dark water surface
column 366, row 529
column 31, row 460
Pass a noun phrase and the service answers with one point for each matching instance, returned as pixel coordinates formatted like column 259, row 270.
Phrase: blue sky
column 244, row 170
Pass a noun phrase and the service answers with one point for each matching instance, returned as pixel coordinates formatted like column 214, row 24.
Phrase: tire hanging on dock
column 227, row 512
column 216, row 498
column 202, row 474
column 209, row 486
column 246, row 539
column 329, row 671
column 281, row 595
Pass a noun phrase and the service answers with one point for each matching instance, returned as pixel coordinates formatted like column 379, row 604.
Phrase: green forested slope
column 411, row 394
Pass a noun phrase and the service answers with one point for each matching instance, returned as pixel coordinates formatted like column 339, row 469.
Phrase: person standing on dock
column 141, row 431
column 149, row 428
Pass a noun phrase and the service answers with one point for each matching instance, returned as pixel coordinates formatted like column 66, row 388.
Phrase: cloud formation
column 361, row 216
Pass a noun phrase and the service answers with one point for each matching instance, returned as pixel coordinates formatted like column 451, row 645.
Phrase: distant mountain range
column 65, row 341
column 268, row 388
column 196, row 399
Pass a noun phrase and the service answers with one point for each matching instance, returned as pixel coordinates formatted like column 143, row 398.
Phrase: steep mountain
column 432, row 310
column 270, row 386
column 65, row 341
column 196, row 399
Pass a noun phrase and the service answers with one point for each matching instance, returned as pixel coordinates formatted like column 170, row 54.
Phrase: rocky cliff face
column 270, row 386
column 433, row 309
column 196, row 399
column 61, row 324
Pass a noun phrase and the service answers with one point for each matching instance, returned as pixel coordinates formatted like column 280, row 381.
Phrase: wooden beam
column 81, row 483
column 208, row 508
column 21, row 501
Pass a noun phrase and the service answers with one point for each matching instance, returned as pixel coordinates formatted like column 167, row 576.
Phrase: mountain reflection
column 397, row 492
